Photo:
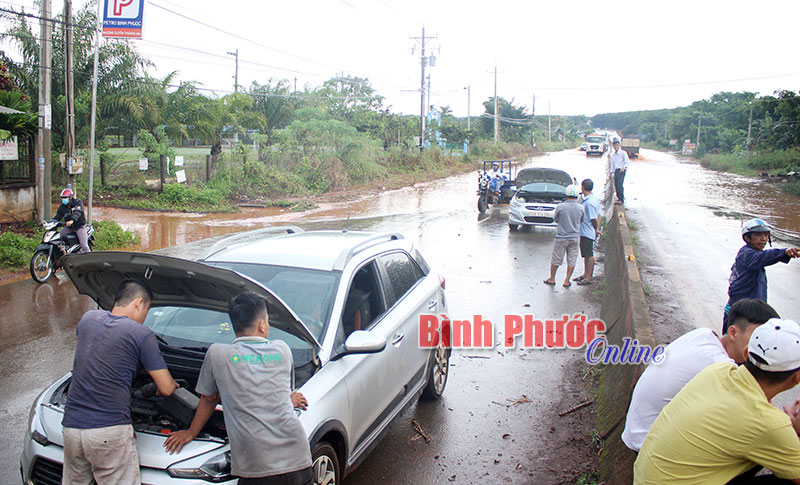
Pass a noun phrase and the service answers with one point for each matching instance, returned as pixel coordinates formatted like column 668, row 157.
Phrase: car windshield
column 197, row 328
column 594, row 139
column 308, row 292
column 543, row 188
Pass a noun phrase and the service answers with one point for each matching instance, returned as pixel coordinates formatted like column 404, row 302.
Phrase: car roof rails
column 242, row 236
column 343, row 258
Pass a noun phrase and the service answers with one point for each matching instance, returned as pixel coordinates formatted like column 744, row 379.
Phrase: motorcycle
column 501, row 192
column 47, row 256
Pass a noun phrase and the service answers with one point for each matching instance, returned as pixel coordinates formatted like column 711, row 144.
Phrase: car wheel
column 513, row 227
column 325, row 465
column 437, row 374
column 41, row 266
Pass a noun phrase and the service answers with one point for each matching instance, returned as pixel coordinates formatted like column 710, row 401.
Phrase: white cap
column 776, row 342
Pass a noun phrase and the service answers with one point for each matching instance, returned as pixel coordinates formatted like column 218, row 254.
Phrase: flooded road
column 688, row 215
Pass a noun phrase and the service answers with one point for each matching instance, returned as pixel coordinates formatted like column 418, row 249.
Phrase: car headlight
column 514, row 201
column 35, row 424
column 215, row 469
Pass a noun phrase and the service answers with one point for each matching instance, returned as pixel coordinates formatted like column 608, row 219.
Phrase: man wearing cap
column 684, row 358
column 568, row 217
column 722, row 424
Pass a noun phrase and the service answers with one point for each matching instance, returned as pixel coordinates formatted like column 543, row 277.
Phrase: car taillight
column 441, row 280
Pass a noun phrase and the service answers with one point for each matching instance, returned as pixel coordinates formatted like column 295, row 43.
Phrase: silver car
column 539, row 191
column 348, row 304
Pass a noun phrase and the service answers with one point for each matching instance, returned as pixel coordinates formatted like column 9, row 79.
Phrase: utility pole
column 496, row 116
column 94, row 111
column 533, row 122
column 749, row 128
column 69, row 144
column 295, row 84
column 428, row 103
column 699, row 121
column 469, row 126
column 45, row 111
column 422, row 108
column 235, row 54
column 549, row 125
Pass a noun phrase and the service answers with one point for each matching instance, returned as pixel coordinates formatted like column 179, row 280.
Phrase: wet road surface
column 683, row 210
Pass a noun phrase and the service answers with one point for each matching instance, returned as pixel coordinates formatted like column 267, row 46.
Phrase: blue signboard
column 123, row 19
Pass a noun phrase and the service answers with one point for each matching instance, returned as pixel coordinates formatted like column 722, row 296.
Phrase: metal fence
column 20, row 172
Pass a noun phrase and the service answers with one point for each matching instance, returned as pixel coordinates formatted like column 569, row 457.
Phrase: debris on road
column 524, row 399
column 418, row 428
column 575, row 408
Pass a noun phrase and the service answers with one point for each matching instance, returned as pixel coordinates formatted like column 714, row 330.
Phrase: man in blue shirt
column 590, row 228
column 99, row 441
column 748, row 277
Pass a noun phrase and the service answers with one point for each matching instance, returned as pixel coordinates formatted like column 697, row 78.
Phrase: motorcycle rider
column 71, row 210
column 495, row 177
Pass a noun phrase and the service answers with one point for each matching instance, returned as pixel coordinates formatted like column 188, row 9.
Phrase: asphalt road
column 489, row 271
column 688, row 221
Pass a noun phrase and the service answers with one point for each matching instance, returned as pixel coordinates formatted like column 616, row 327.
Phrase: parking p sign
column 123, row 19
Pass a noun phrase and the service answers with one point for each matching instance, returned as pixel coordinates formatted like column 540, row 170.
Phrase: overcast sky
column 577, row 57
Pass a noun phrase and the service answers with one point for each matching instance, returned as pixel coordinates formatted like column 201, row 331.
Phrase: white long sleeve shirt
column 619, row 160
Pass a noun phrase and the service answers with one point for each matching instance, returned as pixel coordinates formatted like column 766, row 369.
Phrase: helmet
column 755, row 225
column 572, row 190
column 67, row 193
column 495, row 164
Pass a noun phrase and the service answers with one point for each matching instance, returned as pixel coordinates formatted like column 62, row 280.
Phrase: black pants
column 299, row 477
column 619, row 178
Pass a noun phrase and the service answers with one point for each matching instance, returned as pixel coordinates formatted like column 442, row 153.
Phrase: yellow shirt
column 716, row 428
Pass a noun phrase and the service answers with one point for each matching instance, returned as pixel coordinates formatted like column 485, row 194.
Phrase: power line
column 238, row 36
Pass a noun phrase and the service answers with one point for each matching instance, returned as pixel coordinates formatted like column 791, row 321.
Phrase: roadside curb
column 626, row 314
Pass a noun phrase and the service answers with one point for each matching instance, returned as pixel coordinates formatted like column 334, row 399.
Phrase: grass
column 16, row 250
column 648, row 290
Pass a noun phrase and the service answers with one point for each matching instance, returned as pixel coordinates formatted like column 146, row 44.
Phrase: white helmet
column 755, row 225
column 572, row 190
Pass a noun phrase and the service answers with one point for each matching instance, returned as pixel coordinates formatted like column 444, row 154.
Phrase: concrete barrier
column 626, row 314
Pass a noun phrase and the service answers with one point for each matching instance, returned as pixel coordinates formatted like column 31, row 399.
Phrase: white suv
column 348, row 304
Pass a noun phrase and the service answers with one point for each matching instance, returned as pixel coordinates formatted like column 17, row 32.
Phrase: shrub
column 109, row 235
column 16, row 250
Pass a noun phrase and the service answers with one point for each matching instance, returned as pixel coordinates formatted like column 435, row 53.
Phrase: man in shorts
column 590, row 228
column 99, row 441
column 568, row 217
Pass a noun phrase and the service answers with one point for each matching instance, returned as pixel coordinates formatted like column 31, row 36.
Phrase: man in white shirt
column 686, row 357
column 619, row 167
column 495, row 177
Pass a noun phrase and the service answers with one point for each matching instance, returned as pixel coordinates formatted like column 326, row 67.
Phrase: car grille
column 539, row 208
column 46, row 472
column 540, row 220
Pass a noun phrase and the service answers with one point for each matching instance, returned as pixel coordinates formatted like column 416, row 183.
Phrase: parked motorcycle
column 47, row 257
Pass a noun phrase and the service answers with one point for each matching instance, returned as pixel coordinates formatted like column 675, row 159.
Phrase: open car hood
column 174, row 282
column 542, row 175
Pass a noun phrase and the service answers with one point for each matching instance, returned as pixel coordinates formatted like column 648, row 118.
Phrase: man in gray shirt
column 253, row 377
column 568, row 217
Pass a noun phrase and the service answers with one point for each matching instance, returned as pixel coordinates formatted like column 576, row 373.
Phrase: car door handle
column 397, row 338
column 432, row 304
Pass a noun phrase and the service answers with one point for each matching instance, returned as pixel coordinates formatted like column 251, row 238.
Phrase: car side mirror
column 364, row 342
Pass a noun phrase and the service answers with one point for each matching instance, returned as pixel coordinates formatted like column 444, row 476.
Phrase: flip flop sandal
column 585, row 282
column 567, row 284
column 551, row 283
column 579, row 278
